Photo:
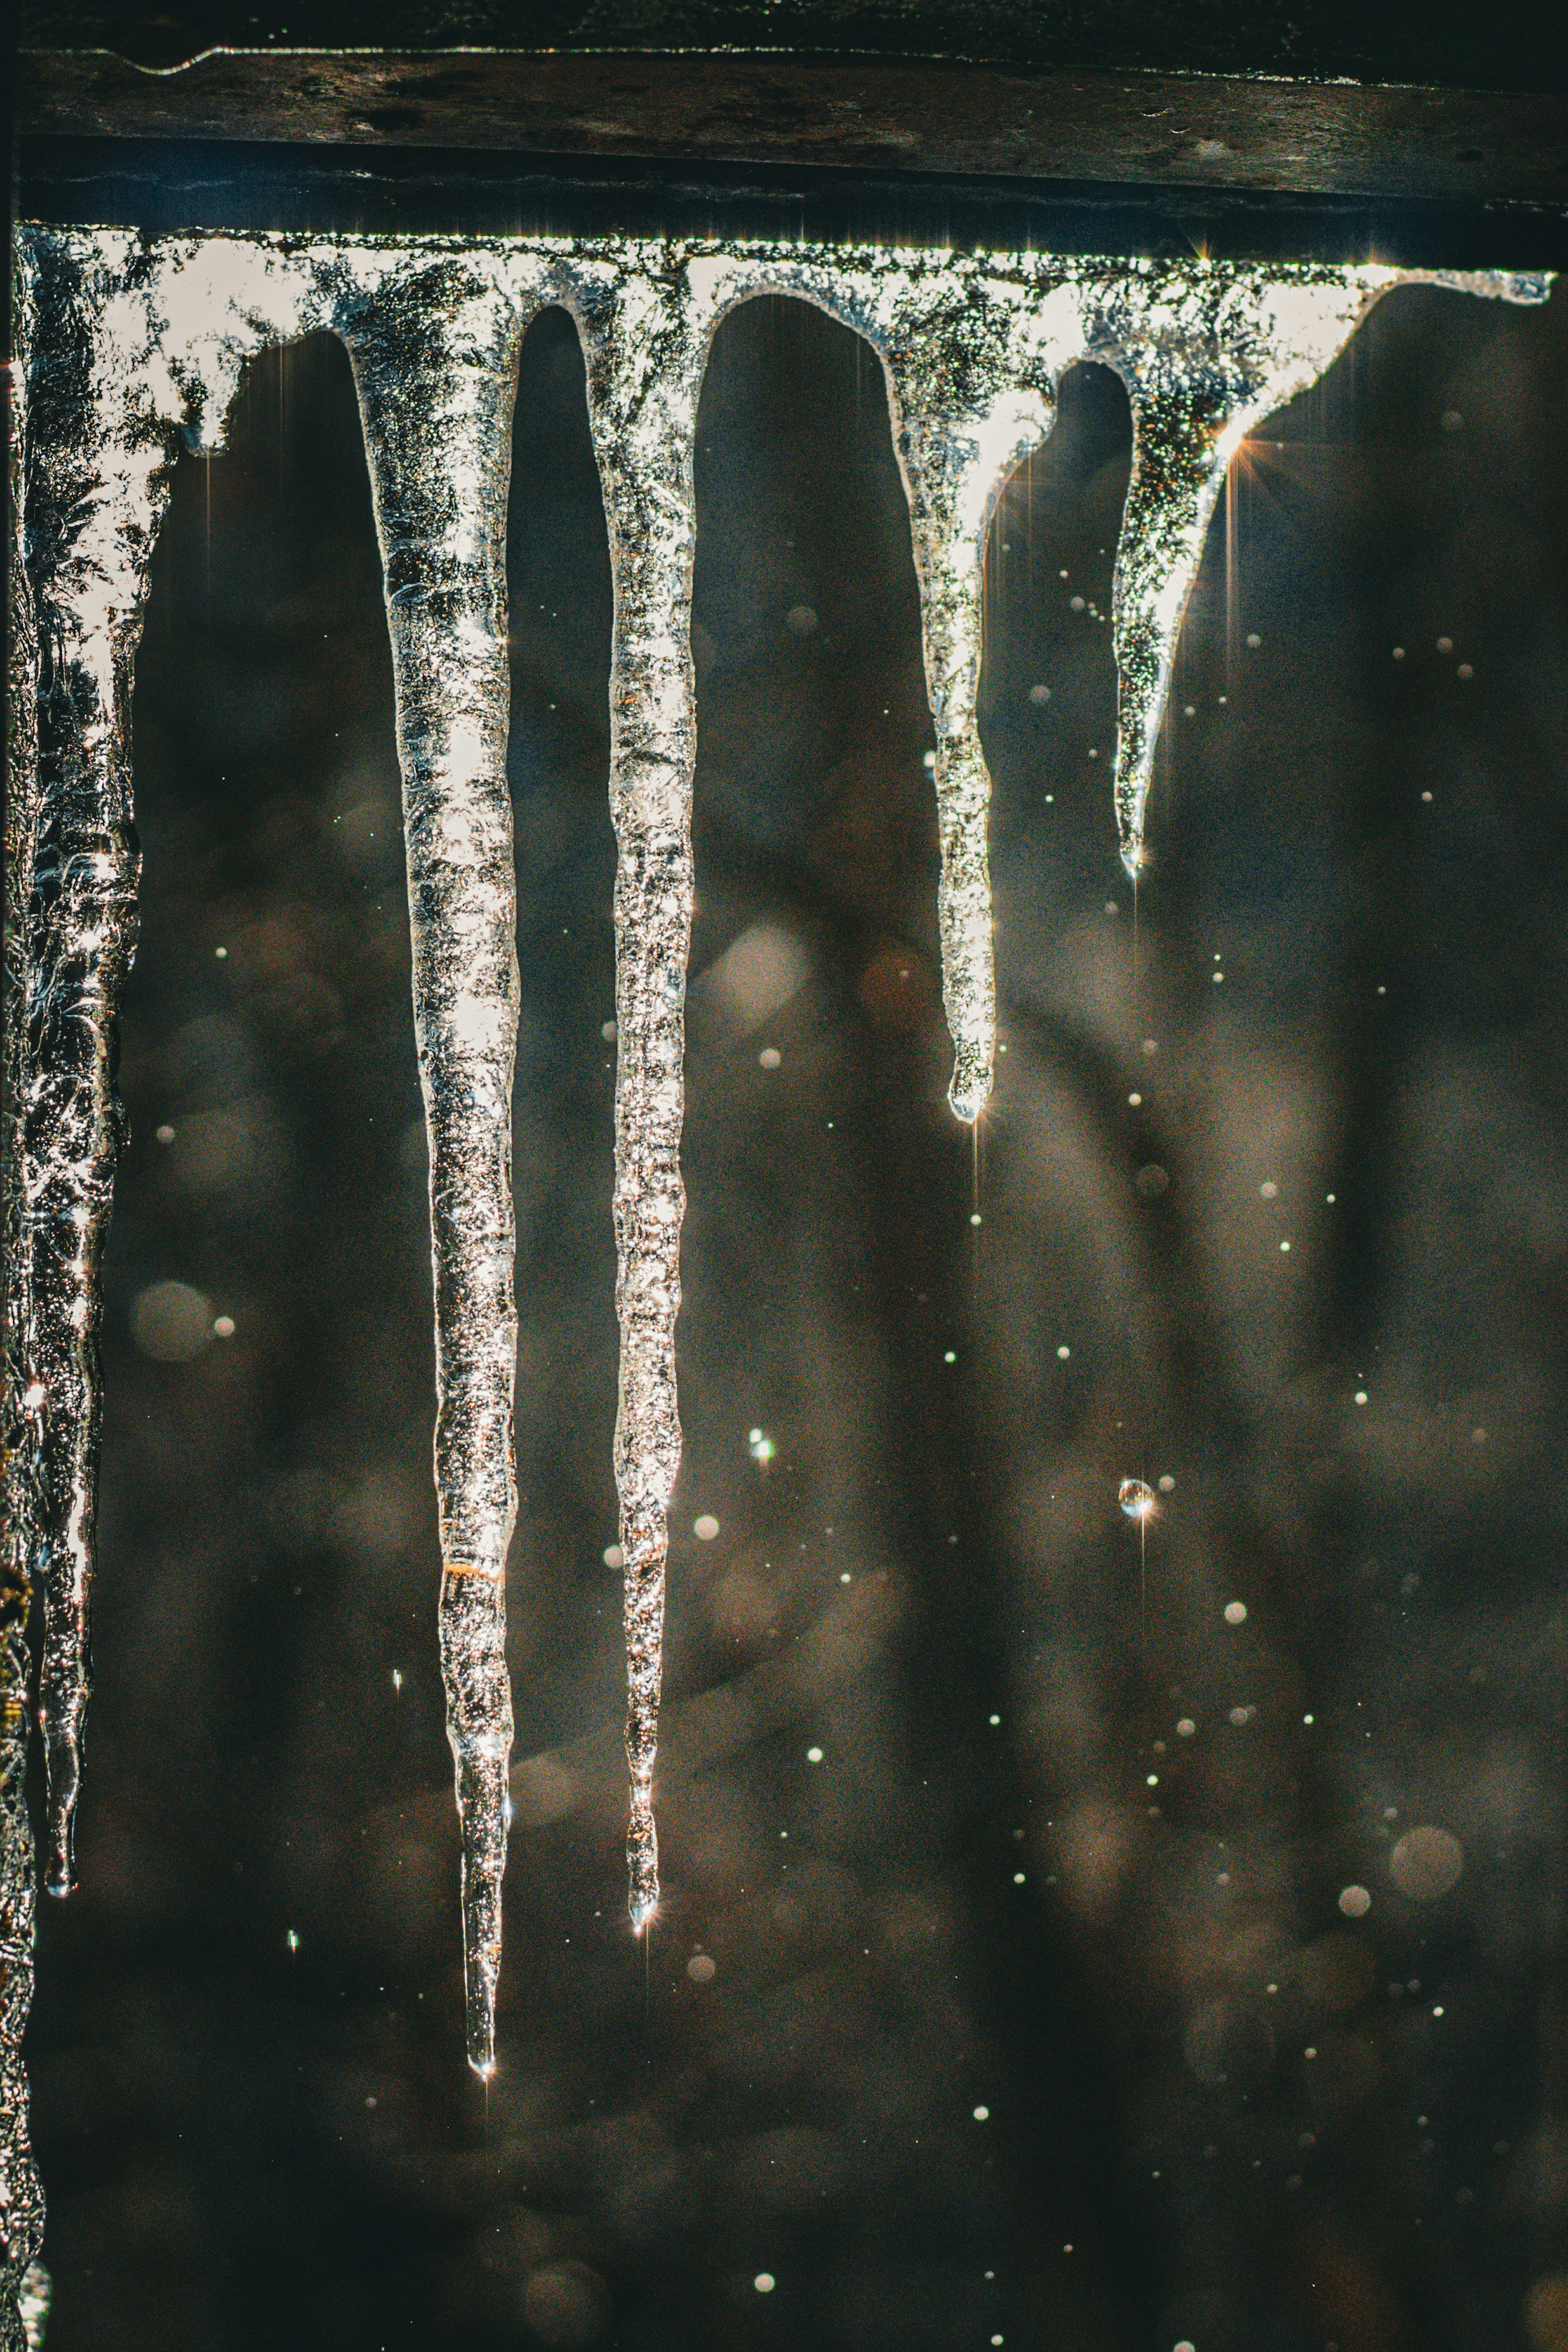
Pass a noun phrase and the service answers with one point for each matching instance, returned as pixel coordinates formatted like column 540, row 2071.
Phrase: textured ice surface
column 128, row 343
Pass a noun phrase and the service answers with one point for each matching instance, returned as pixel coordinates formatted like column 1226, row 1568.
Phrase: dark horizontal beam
column 167, row 186
column 1193, row 134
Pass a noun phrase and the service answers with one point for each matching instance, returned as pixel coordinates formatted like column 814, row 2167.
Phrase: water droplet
column 1445, row 645
column 165, row 1134
column 1137, row 1499
column 171, row 1322
column 224, row 1327
column 705, row 1528
column 813, row 1755
column 702, row 1970
column 1268, row 1190
column 1076, row 602
column 613, row 1556
column 770, row 1057
column 1398, row 653
column 1151, row 1181
column 1236, row 1612
column 764, row 2282
column 1039, row 694
column 1253, row 639
column 1185, row 1727
column 1063, row 1353
column 1427, row 1863
column 1354, row 1902
column 1168, row 1484
column 982, row 2114
column 1361, row 1396
column 609, row 1032
column 801, row 621
column 1464, row 670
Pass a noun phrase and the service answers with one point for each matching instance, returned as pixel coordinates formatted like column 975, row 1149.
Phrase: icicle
column 114, row 368
column 97, row 462
column 965, row 413
column 1206, row 351
column 645, row 341
column 21, row 2191
column 434, row 355
column 97, row 405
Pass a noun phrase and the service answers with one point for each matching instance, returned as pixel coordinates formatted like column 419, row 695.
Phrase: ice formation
column 128, row 343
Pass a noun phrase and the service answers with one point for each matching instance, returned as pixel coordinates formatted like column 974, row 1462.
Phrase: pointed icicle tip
column 970, row 1088
column 64, row 1775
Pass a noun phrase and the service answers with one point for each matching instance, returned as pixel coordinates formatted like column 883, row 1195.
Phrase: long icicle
column 435, row 356
column 21, row 2189
column 644, row 342
column 97, row 484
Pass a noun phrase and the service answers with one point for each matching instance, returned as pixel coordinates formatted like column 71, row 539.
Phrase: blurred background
column 1073, row 1936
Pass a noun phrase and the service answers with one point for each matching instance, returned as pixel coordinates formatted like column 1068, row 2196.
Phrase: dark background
column 1512, row 45
column 1259, row 2123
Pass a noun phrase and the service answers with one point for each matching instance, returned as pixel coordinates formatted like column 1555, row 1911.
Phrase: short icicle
column 645, row 339
column 962, row 419
column 1206, row 351
column 434, row 351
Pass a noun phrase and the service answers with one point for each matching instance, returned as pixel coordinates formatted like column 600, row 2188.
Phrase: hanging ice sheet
column 126, row 344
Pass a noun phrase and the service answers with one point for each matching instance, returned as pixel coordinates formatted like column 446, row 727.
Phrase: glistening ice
column 129, row 345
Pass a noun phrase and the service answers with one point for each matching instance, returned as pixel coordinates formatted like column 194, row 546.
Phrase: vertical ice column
column 89, row 492
column 21, row 2191
column 962, row 421
column 1182, row 442
column 434, row 352
column 645, row 341
column 1206, row 350
column 96, row 483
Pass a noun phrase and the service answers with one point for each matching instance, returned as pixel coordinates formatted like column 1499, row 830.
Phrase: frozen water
column 128, row 344
column 434, row 351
